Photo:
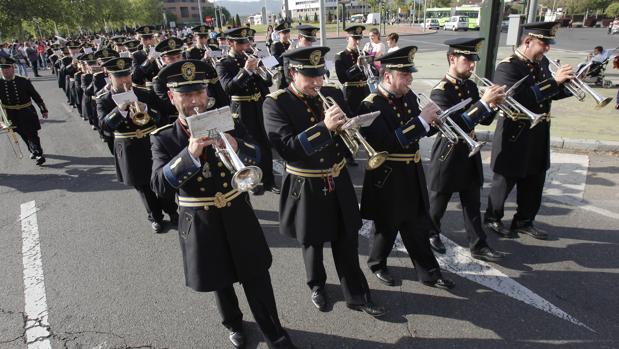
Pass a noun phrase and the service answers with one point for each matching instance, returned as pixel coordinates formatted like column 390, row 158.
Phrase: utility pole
column 200, row 12
column 532, row 11
column 321, row 16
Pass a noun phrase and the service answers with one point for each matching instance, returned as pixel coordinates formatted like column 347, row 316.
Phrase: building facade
column 300, row 8
column 185, row 11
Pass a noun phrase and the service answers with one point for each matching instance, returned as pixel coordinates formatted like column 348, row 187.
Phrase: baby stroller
column 596, row 72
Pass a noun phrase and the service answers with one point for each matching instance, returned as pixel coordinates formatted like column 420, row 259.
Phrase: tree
column 237, row 20
column 315, row 17
column 612, row 10
column 306, row 18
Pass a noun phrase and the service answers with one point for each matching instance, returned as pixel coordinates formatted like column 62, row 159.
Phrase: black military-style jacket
column 16, row 96
column 352, row 77
column 451, row 168
column 517, row 149
column 277, row 50
column 194, row 53
column 393, row 191
column 142, row 69
column 131, row 142
column 312, row 207
column 221, row 239
column 247, row 92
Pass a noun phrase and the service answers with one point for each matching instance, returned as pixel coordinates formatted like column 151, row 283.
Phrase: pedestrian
column 41, row 51
column 375, row 48
column 392, row 42
column 33, row 57
column 20, row 59
column 16, row 96
column 616, row 66
column 269, row 39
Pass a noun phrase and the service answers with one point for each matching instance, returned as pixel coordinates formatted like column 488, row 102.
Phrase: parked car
column 431, row 23
column 456, row 23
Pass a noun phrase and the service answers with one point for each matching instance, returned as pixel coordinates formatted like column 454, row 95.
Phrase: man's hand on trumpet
column 429, row 113
column 251, row 64
column 563, row 74
column 334, row 118
column 196, row 145
column 494, row 95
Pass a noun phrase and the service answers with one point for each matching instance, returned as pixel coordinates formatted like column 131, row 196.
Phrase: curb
column 343, row 36
column 586, row 145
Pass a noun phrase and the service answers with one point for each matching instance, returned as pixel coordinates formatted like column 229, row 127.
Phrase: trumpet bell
column 377, row 159
column 602, row 102
column 476, row 148
column 140, row 118
column 247, row 178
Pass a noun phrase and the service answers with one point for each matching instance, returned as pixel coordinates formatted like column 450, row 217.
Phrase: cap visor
column 189, row 88
column 313, row 72
column 120, row 73
column 410, row 69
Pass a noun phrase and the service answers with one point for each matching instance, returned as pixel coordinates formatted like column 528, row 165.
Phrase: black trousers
column 414, row 233
column 259, row 294
column 266, row 164
column 155, row 206
column 32, row 140
column 470, row 200
column 35, row 67
column 528, row 198
column 346, row 257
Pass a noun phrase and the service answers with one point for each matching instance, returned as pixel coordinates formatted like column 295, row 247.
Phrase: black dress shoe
column 368, row 308
column 384, row 277
column 437, row 244
column 274, row 189
column 258, row 190
column 237, row 338
column 157, row 227
column 443, row 283
column 319, row 299
column 498, row 228
column 40, row 160
column 532, row 231
column 487, row 254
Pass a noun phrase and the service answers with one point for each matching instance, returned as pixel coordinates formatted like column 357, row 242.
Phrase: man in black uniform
column 520, row 154
column 278, row 48
column 70, row 68
column 98, row 88
column 169, row 51
column 318, row 202
column 348, row 70
column 221, row 239
column 306, row 38
column 394, row 195
column 16, row 95
column 451, row 167
column 145, row 33
column 131, row 142
column 247, row 89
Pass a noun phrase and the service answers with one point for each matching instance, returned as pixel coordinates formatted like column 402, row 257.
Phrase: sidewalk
column 403, row 29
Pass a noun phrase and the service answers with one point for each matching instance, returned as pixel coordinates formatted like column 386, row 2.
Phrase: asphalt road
column 110, row 282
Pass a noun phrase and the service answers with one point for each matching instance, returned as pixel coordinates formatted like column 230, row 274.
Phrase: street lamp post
column 200, row 12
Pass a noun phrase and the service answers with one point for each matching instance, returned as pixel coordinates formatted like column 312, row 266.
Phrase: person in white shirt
column 598, row 56
column 375, row 47
column 392, row 42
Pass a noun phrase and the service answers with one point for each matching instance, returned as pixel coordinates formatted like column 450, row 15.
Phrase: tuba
column 353, row 138
column 450, row 128
column 579, row 88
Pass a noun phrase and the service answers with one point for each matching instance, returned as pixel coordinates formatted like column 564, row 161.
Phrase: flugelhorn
column 138, row 116
column 353, row 138
column 579, row 88
column 449, row 128
column 511, row 107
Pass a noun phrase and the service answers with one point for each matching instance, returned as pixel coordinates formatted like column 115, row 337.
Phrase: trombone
column 245, row 178
column 450, row 128
column 353, row 138
column 365, row 67
column 511, row 107
column 579, row 88
column 8, row 128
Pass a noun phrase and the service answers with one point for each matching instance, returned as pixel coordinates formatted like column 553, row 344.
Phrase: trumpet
column 353, row 138
column 245, row 178
column 263, row 71
column 365, row 67
column 450, row 128
column 579, row 88
column 511, row 107
column 8, row 128
column 138, row 116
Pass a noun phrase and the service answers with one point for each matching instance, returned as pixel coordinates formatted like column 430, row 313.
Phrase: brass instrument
column 353, row 138
column 511, row 107
column 579, row 88
column 263, row 71
column 8, row 128
column 138, row 116
column 450, row 128
column 365, row 67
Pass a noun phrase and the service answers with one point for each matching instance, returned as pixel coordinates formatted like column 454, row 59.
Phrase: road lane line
column 459, row 261
column 37, row 325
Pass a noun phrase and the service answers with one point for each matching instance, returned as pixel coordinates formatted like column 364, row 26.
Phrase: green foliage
column 237, row 20
column 612, row 10
column 315, row 17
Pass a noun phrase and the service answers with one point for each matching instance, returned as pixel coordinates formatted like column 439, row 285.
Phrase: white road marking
column 37, row 325
column 459, row 261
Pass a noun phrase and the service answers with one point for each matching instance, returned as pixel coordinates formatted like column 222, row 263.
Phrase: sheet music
column 203, row 124
column 124, row 97
column 270, row 62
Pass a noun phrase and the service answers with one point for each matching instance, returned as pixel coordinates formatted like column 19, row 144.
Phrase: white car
column 431, row 23
column 456, row 23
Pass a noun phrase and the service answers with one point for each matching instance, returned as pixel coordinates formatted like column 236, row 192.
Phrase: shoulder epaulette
column 507, row 59
column 101, row 94
column 370, row 97
column 440, row 86
column 276, row 94
column 330, row 85
column 161, row 128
